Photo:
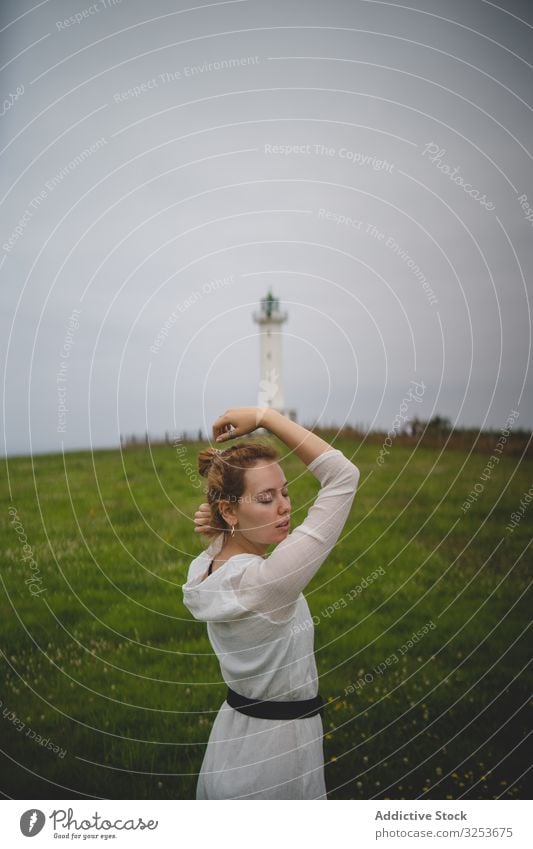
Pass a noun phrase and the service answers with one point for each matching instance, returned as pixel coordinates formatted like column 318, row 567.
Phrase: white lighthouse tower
column 270, row 320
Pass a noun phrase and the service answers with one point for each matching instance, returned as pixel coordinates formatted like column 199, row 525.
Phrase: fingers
column 203, row 528
column 202, row 518
column 208, row 532
column 227, row 431
column 220, row 425
column 224, row 432
column 223, row 437
column 223, row 428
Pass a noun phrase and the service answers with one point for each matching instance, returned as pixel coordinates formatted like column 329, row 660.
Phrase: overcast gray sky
column 166, row 163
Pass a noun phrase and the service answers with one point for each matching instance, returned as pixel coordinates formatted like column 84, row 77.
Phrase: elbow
column 349, row 479
column 352, row 474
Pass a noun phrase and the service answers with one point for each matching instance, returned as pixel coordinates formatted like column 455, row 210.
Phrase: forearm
column 305, row 444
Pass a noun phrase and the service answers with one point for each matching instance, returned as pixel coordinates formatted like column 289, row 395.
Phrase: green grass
column 107, row 663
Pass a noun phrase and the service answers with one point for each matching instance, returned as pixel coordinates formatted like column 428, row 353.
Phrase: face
column 264, row 504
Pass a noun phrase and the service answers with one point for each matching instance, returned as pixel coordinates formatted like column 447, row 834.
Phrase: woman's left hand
column 202, row 519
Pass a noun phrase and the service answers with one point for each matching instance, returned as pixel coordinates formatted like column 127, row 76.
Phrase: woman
column 266, row 740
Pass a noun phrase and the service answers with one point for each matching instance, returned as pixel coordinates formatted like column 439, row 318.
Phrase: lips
column 284, row 524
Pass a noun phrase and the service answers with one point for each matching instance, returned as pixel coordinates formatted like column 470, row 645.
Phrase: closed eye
column 267, row 499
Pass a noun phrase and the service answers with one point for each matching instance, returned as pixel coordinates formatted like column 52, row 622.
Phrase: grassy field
column 110, row 688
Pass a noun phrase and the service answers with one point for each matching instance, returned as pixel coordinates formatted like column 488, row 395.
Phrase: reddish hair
column 225, row 470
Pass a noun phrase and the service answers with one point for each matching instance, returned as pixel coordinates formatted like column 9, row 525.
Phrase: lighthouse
column 270, row 320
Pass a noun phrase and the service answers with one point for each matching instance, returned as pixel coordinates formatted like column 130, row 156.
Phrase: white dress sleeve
column 272, row 586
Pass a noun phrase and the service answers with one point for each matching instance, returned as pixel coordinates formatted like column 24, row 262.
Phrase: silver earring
column 233, row 530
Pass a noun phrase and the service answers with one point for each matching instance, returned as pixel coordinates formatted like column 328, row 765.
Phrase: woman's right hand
column 237, row 421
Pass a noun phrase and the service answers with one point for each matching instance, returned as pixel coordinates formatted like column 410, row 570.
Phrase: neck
column 241, row 545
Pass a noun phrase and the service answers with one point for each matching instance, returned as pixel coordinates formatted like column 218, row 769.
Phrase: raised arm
column 305, row 444
column 272, row 586
column 241, row 420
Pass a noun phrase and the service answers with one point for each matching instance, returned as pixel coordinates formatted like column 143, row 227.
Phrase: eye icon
column 31, row 822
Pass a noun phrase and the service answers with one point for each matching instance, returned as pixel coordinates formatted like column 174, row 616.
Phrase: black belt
column 299, row 709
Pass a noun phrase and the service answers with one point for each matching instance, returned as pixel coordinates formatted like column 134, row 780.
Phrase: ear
column 227, row 511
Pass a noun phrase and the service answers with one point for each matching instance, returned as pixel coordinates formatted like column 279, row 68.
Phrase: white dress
column 261, row 629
